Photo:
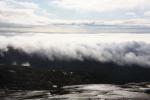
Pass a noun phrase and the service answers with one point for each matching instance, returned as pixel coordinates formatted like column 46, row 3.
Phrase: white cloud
column 21, row 12
column 131, row 14
column 26, row 64
column 103, row 5
column 147, row 14
column 14, row 13
column 118, row 48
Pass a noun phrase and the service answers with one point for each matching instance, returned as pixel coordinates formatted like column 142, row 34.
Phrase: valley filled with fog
column 121, row 48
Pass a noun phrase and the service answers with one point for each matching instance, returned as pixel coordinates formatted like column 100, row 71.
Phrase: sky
column 69, row 15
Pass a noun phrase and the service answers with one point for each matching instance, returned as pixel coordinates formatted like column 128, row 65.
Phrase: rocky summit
column 130, row 91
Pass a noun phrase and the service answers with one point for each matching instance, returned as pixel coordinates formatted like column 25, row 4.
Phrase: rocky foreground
column 132, row 91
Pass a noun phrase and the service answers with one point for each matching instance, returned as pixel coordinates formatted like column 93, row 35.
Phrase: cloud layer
column 121, row 49
column 20, row 12
column 103, row 5
column 51, row 15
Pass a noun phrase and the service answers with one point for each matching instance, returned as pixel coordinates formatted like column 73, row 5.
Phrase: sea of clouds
column 121, row 48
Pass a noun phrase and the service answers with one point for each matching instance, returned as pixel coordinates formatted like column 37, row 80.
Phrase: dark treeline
column 41, row 74
column 26, row 78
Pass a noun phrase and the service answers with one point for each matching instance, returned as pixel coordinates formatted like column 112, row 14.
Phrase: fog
column 121, row 48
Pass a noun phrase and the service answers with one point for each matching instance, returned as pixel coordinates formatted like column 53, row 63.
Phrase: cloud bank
column 125, row 49
column 53, row 15
column 103, row 5
column 21, row 13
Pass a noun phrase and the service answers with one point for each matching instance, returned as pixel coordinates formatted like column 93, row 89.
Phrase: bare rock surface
column 132, row 91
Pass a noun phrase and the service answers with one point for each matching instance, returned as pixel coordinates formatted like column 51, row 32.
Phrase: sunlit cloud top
column 36, row 14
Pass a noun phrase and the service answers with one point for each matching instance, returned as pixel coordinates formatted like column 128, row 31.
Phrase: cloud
column 121, row 49
column 29, row 16
column 27, row 64
column 137, row 25
column 103, row 5
column 131, row 14
column 21, row 13
column 147, row 14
